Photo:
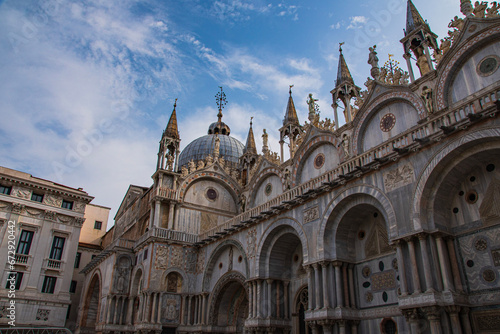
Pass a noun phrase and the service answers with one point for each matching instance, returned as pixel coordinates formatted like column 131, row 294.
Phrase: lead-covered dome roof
column 230, row 148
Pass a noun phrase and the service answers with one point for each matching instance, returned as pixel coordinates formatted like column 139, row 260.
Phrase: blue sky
column 87, row 87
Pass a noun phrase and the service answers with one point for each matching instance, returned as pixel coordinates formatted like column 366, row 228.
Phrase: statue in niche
column 242, row 203
column 373, row 61
column 422, row 62
column 345, row 145
column 170, row 161
column 427, row 97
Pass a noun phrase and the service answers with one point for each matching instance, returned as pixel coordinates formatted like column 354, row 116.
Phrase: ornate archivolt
column 216, row 177
column 352, row 197
column 443, row 83
column 379, row 102
column 424, row 181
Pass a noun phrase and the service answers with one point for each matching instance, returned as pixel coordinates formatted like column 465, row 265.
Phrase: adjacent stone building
column 89, row 246
column 40, row 224
column 387, row 224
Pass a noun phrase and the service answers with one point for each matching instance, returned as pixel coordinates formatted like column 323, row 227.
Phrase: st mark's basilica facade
column 387, row 224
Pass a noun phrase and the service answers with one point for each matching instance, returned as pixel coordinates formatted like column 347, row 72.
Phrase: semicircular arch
column 207, row 275
column 342, row 203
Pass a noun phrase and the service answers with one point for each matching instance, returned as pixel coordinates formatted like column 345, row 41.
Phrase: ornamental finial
column 221, row 102
column 340, row 46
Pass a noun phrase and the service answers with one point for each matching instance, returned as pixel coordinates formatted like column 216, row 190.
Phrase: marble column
column 333, row 294
column 130, row 310
column 351, row 285
column 326, row 297
column 278, row 300
column 346, row 285
column 422, row 237
column 338, row 284
column 456, row 328
column 285, row 299
column 157, row 215
column 171, row 216
column 255, row 301
column 153, row 309
column 317, row 286
column 407, row 56
column 443, row 263
column 454, row 265
column 401, row 268
column 414, row 267
column 342, row 325
column 464, row 314
column 411, row 316
column 250, row 300
column 327, row 326
column 183, row 310
column 434, row 317
column 259, row 298
column 204, row 308
column 268, row 309
column 310, row 288
column 188, row 318
column 122, row 311
column 108, row 310
column 354, row 327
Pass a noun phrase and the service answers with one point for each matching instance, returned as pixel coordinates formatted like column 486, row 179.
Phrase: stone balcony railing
column 166, row 234
column 52, row 264
column 22, row 259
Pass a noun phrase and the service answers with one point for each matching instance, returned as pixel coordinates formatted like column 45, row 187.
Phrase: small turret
column 345, row 90
column 168, row 152
column 417, row 41
column 291, row 126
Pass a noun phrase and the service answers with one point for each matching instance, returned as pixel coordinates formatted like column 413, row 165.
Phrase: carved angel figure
column 191, row 166
column 405, row 78
column 493, row 10
column 396, row 78
column 445, row 45
column 170, row 161
column 201, row 164
column 456, row 23
column 184, row 171
column 209, row 160
column 383, row 75
column 427, row 96
column 480, row 8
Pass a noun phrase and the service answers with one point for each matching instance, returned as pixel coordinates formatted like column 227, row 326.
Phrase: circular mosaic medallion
column 387, row 122
column 471, row 197
column 489, row 275
column 268, row 189
column 211, row 194
column 481, row 244
column 366, row 271
column 488, row 65
column 319, row 161
column 368, row 296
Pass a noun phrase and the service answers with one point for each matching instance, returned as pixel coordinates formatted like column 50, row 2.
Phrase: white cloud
column 357, row 22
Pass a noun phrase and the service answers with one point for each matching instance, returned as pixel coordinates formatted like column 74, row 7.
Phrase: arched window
column 174, row 282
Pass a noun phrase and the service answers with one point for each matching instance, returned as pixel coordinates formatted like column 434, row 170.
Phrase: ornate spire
column 221, row 102
column 291, row 113
column 250, row 145
column 413, row 18
column 171, row 130
column 343, row 73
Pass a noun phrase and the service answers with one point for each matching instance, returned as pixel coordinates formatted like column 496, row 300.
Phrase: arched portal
column 301, row 302
column 229, row 306
column 92, row 306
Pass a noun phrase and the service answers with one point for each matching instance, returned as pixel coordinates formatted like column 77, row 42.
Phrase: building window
column 5, row 190
column 68, row 312
column 72, row 287
column 14, row 279
column 67, row 205
column 57, row 248
column 93, row 256
column 145, row 254
column 24, row 244
column 77, row 259
column 37, row 197
column 97, row 225
column 49, row 284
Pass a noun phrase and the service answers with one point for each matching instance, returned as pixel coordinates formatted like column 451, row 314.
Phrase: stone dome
column 230, row 148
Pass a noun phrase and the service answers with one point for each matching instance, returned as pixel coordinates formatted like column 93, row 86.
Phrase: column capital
column 337, row 263
column 410, row 314
column 433, row 312
column 422, row 236
column 325, row 322
column 324, row 263
column 452, row 309
column 315, row 265
column 269, row 280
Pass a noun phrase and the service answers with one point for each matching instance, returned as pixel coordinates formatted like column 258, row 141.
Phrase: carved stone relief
column 53, row 201
column 399, row 177
column 161, row 257
column 311, row 214
column 251, row 242
column 42, row 315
